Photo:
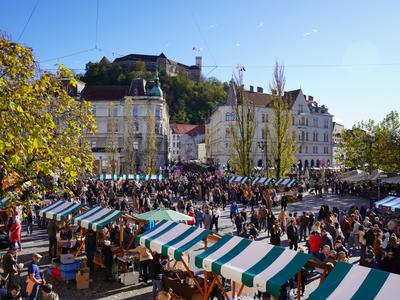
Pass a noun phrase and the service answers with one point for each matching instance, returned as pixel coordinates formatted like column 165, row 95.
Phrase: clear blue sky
column 314, row 39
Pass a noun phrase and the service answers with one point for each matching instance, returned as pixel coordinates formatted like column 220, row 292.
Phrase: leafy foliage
column 283, row 140
column 370, row 145
column 188, row 102
column 41, row 127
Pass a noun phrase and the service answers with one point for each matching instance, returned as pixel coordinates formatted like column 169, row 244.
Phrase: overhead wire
column 28, row 20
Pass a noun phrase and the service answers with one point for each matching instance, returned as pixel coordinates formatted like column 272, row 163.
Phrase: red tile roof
column 188, row 129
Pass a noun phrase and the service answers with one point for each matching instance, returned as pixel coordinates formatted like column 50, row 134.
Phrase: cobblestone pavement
column 101, row 289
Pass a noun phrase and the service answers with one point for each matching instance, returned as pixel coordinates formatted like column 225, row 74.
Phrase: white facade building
column 185, row 139
column 109, row 106
column 312, row 124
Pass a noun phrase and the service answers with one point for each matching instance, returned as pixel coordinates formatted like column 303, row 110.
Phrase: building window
column 326, row 123
column 158, row 128
column 300, row 149
column 115, row 111
column 228, row 116
column 315, row 136
column 112, row 127
column 326, row 137
column 306, row 121
column 302, row 136
column 264, row 118
column 300, row 108
column 306, row 150
column 315, row 122
column 94, row 110
column 227, row 132
column 326, row 150
column 263, row 134
column 136, row 126
column 135, row 111
column 307, row 136
column 315, row 149
column 157, row 112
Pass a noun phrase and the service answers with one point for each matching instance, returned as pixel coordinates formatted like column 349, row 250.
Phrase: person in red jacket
column 314, row 243
column 15, row 233
column 191, row 214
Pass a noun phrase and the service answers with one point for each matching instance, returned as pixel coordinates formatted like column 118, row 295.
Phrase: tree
column 112, row 144
column 242, row 130
column 150, row 157
column 371, row 145
column 42, row 128
column 130, row 141
column 283, row 140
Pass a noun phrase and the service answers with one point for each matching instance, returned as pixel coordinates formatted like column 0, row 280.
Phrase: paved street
column 102, row 290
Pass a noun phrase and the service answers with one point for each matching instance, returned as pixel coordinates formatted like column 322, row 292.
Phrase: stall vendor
column 145, row 258
column 108, row 258
column 65, row 236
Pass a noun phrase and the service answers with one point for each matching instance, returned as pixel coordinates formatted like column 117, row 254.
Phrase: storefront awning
column 252, row 263
column 96, row 218
column 238, row 179
column 262, row 180
column 170, row 238
column 286, row 182
column 347, row 281
column 59, row 210
column 389, row 202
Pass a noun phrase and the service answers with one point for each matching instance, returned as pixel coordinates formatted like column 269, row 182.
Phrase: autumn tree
column 130, row 140
column 283, row 140
column 372, row 145
column 112, row 143
column 42, row 128
column 150, row 156
column 242, row 130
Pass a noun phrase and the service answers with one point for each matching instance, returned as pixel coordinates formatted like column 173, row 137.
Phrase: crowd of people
column 330, row 235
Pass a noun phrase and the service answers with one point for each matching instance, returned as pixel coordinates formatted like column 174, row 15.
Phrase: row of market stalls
column 259, row 265
column 391, row 202
column 136, row 177
column 287, row 182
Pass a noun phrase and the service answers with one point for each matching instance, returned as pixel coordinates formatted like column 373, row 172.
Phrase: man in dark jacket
column 10, row 266
column 52, row 234
column 90, row 247
column 293, row 235
column 156, row 274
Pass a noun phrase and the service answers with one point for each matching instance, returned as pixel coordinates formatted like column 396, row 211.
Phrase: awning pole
column 121, row 232
column 191, row 276
column 298, row 285
column 205, row 285
column 233, row 288
column 240, row 290
column 208, row 292
column 221, row 288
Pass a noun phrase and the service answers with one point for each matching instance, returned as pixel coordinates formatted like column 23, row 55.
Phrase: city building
column 312, row 124
column 158, row 62
column 123, row 115
column 185, row 139
column 338, row 127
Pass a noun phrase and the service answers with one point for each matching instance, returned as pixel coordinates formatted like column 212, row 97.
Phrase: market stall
column 391, row 202
column 173, row 240
column 286, row 182
column 251, row 263
column 59, row 210
column 136, row 177
column 347, row 281
column 238, row 179
column 163, row 214
column 262, row 180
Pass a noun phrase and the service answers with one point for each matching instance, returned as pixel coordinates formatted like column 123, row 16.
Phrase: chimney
column 260, row 90
column 251, row 88
column 310, row 98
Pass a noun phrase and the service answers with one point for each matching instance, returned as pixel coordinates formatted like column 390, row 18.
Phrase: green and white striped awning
column 347, row 281
column 4, row 201
column 171, row 238
column 129, row 177
column 389, row 202
column 286, row 182
column 96, row 218
column 252, row 263
column 59, row 210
